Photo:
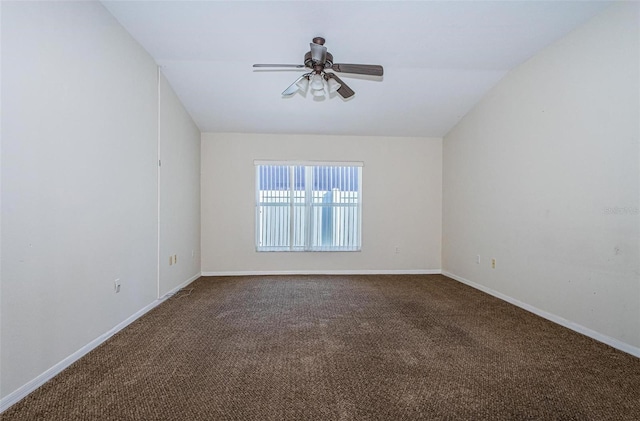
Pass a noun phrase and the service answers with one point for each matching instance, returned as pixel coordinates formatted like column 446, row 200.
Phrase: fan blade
column 297, row 66
column 293, row 88
column 359, row 69
column 344, row 91
column 318, row 53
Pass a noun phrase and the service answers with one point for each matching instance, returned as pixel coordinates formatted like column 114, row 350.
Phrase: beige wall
column 401, row 203
column 179, row 193
column 80, row 186
column 543, row 175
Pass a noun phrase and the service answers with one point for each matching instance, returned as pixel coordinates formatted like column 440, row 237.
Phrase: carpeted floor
column 341, row 348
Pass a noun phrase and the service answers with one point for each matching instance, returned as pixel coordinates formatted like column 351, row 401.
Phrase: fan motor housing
column 308, row 62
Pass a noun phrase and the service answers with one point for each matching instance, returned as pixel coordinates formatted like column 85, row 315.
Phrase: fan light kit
column 321, row 82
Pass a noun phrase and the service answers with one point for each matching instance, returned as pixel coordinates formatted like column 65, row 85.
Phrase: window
column 308, row 207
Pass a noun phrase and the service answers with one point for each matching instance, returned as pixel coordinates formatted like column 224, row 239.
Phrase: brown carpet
column 341, row 348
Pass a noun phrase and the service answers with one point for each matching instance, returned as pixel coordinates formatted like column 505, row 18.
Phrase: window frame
column 308, row 207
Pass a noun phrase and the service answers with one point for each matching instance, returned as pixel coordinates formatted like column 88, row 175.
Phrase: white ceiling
column 439, row 58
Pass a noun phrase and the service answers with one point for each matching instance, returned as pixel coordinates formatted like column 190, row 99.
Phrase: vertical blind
column 308, row 207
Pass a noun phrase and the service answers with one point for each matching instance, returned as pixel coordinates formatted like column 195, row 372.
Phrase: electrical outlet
column 478, row 259
column 397, row 249
column 175, row 259
column 116, row 285
column 493, row 263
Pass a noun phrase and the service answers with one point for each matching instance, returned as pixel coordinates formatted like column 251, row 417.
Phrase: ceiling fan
column 319, row 60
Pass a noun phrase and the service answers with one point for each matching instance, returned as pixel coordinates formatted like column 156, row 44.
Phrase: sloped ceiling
column 439, row 58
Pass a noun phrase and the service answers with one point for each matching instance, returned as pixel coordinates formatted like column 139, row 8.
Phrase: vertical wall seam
column 159, row 168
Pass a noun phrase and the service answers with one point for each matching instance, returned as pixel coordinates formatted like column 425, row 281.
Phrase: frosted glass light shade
column 303, row 84
column 333, row 85
column 316, row 82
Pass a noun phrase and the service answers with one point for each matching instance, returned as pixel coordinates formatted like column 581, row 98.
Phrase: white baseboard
column 327, row 272
column 32, row 385
column 615, row 343
column 20, row 393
